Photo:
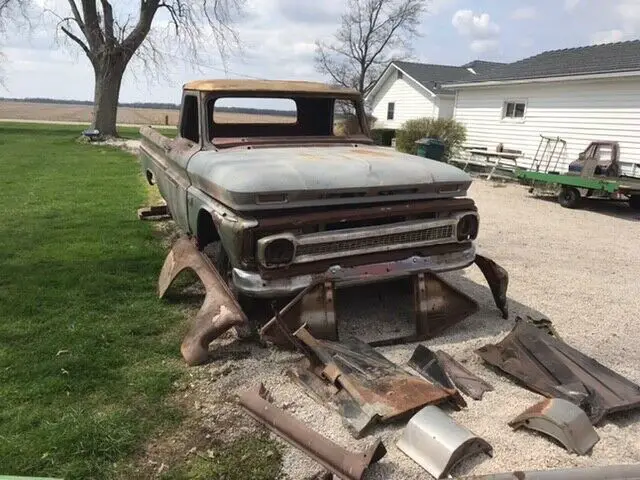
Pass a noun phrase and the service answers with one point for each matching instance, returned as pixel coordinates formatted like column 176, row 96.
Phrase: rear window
column 247, row 110
column 240, row 116
column 345, row 119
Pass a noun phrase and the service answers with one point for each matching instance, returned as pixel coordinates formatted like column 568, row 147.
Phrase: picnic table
column 485, row 158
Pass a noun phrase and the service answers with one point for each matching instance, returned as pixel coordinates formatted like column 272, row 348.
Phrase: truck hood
column 252, row 178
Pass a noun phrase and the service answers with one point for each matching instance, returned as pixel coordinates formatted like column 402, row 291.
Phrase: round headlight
column 467, row 228
column 279, row 251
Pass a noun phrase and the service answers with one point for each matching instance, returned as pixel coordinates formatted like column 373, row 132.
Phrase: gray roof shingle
column 482, row 66
column 434, row 76
column 605, row 58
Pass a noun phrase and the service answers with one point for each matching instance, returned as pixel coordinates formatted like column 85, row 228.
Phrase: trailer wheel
column 569, row 197
column 634, row 202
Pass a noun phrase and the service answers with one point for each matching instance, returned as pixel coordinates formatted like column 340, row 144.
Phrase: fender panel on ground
column 220, row 310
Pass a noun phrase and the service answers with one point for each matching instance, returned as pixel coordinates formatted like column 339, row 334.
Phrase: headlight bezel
column 263, row 253
column 467, row 227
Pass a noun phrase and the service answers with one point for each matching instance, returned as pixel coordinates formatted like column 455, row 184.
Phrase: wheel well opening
column 206, row 230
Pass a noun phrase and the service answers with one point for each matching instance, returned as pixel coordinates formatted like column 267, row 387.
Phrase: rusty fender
column 468, row 383
column 561, row 420
column 333, row 457
column 498, row 280
column 220, row 310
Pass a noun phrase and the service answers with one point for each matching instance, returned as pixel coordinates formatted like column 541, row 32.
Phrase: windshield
column 247, row 116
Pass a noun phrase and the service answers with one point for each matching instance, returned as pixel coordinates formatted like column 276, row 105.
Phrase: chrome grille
column 377, row 242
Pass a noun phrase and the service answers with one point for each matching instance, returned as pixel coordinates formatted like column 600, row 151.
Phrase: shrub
column 452, row 133
column 350, row 125
column 383, row 136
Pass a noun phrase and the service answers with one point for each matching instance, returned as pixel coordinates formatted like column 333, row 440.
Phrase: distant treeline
column 163, row 106
column 159, row 106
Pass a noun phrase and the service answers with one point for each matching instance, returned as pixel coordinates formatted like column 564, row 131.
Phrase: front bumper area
column 253, row 285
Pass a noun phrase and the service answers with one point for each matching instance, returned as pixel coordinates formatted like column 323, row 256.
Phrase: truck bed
column 623, row 185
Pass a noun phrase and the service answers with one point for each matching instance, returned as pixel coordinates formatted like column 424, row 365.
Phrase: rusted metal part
column 438, row 305
column 154, row 212
column 220, row 310
column 425, row 362
column 561, row 420
column 498, row 280
column 610, row 472
column 554, row 369
column 313, row 307
column 361, row 262
column 437, row 443
column 361, row 384
column 277, row 221
column 467, row 382
column 333, row 457
column 543, row 324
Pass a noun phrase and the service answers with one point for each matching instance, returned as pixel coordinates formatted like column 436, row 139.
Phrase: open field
column 91, row 380
column 10, row 110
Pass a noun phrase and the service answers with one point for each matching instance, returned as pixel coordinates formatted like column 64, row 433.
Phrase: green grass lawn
column 88, row 354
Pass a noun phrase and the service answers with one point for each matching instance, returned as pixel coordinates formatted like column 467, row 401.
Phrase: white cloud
column 627, row 14
column 570, row 5
column 482, row 32
column 524, row 13
column 475, row 26
column 607, row 36
column 436, row 7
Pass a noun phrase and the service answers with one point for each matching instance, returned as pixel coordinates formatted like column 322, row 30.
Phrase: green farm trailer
column 595, row 174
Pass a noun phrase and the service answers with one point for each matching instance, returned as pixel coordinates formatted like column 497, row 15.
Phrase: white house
column 578, row 94
column 408, row 90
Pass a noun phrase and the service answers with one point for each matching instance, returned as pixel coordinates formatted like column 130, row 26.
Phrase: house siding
column 446, row 104
column 411, row 101
column 576, row 111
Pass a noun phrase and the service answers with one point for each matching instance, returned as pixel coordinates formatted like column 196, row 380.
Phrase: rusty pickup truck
column 282, row 201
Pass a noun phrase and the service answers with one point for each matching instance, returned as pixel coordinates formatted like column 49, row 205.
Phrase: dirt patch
column 204, row 446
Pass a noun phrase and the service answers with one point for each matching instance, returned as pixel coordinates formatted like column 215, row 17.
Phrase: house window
column 514, row 109
column 391, row 106
column 399, row 75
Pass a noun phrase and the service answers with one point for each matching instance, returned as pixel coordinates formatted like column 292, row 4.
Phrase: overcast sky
column 279, row 35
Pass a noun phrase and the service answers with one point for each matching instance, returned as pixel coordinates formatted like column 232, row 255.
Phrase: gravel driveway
column 577, row 267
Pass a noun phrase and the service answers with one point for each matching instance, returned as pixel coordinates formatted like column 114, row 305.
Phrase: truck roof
column 268, row 86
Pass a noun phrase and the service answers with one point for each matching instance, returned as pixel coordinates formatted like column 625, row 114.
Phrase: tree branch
column 148, row 9
column 92, row 31
column 108, row 22
column 369, row 31
column 78, row 41
column 76, row 14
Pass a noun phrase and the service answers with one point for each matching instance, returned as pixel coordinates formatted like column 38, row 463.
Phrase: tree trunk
column 108, row 78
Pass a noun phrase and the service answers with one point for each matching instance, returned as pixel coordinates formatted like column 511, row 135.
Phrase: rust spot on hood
column 368, row 152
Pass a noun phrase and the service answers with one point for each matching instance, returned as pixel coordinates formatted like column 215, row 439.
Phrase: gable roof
column 433, row 76
column 595, row 59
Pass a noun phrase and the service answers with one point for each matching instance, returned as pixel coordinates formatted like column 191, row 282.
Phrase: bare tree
column 11, row 11
column 372, row 33
column 110, row 39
